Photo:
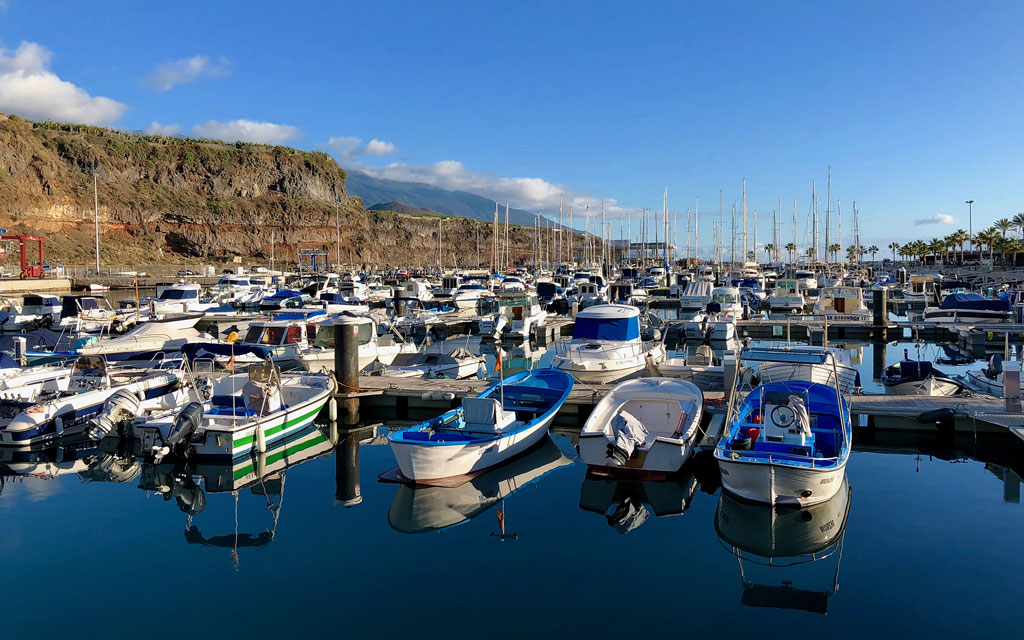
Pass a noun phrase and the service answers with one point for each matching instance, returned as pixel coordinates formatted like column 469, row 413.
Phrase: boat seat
column 231, row 406
column 485, row 414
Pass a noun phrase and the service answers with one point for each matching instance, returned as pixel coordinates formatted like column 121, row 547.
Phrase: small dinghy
column 918, row 378
column 646, row 426
column 459, row 363
column 503, row 421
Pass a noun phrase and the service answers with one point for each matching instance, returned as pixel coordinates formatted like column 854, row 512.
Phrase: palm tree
column 810, row 254
column 960, row 237
column 791, row 249
column 851, row 253
column 1018, row 222
column 769, row 248
column 989, row 237
column 1004, row 225
column 1014, row 247
column 937, row 246
column 872, row 250
column 895, row 246
column 833, row 250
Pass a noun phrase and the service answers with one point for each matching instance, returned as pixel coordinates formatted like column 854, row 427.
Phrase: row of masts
column 556, row 243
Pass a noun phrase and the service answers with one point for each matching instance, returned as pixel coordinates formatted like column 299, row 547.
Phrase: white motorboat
column 702, row 369
column 990, row 379
column 787, row 296
column 806, row 278
column 606, row 345
column 801, row 362
column 522, row 313
column 969, row 308
column 842, row 305
column 724, row 310
column 507, row 419
column 646, row 426
column 89, row 388
column 35, row 311
column 245, row 413
column 918, row 378
column 468, row 296
column 785, row 443
column 180, row 297
column 696, row 295
column 457, row 364
column 319, row 354
column 152, row 340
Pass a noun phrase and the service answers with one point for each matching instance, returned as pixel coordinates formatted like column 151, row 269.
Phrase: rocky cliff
column 172, row 199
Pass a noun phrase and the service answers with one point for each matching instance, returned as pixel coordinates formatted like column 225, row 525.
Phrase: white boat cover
column 629, row 432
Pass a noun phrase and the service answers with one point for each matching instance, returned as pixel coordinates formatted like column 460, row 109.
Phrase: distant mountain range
column 417, row 195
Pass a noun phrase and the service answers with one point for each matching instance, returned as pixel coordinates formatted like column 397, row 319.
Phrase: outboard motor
column 120, row 407
column 185, row 424
column 995, row 366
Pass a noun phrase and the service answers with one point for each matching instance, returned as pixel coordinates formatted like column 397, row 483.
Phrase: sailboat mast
column 696, row 230
column 744, row 220
column 508, row 251
column 755, row 236
column 814, row 222
column 732, row 258
column 828, row 214
column 664, row 216
column 604, row 243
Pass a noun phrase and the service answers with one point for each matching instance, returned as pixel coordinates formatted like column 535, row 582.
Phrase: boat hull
column 437, row 465
column 780, row 485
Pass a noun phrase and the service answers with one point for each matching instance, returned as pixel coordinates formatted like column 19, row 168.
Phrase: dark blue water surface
column 926, row 546
column 97, row 544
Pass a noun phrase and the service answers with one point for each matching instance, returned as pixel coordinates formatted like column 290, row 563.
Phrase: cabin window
column 365, row 333
column 179, row 294
column 311, row 332
column 252, row 336
column 293, row 335
column 273, row 335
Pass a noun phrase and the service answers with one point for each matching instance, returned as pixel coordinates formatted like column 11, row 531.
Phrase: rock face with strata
column 166, row 198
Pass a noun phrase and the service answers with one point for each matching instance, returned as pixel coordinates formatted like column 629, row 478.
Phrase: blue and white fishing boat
column 786, row 443
column 503, row 421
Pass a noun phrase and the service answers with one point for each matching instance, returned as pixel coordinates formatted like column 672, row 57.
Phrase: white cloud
column 187, row 70
column 377, row 147
column 349, row 148
column 938, row 218
column 30, row 89
column 532, row 194
column 246, row 130
column 157, row 129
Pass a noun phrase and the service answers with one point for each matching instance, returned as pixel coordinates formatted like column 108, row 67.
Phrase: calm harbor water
column 96, row 543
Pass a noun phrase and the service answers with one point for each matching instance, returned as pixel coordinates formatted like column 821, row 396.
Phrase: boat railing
column 580, row 351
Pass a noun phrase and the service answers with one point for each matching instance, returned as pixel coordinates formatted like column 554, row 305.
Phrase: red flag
column 497, row 361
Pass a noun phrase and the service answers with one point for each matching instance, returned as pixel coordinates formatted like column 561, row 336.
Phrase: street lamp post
column 970, row 221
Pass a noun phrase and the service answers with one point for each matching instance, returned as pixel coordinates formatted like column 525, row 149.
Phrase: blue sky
column 915, row 105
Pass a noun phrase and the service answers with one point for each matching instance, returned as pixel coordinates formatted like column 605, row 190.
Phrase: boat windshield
column 726, row 298
column 179, row 294
column 325, row 335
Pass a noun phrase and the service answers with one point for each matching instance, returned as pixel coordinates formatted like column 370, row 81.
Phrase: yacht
column 318, row 355
column 696, row 295
column 806, row 278
column 606, row 345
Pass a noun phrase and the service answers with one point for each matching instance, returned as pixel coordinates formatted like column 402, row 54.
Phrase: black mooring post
column 346, row 367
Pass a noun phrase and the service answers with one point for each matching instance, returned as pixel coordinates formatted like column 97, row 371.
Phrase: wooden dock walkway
column 407, row 396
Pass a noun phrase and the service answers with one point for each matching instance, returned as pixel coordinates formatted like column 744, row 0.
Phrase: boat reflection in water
column 787, row 546
column 627, row 504
column 420, row 509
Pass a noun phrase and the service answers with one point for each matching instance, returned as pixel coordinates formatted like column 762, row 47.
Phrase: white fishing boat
column 785, row 443
column 505, row 420
column 245, row 413
column 646, row 426
column 35, row 311
column 180, row 297
column 456, row 364
column 696, row 295
column 990, row 379
column 606, row 346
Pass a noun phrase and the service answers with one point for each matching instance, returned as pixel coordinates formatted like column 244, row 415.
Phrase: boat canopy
column 607, row 322
column 973, row 302
column 913, row 369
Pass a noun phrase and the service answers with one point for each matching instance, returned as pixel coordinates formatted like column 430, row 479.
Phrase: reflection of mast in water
column 785, row 543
